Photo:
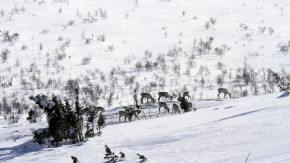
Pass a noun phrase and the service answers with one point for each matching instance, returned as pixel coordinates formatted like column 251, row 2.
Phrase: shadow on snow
column 18, row 150
column 241, row 114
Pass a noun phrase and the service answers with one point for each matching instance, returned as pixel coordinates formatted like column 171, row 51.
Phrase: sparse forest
column 72, row 71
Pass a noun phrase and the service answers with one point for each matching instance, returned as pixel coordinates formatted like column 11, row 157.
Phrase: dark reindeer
column 147, row 96
column 224, row 91
column 186, row 94
column 164, row 94
column 163, row 105
column 175, row 109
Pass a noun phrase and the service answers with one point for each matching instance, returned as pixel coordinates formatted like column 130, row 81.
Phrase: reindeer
column 164, row 105
column 164, row 94
column 122, row 113
column 129, row 114
column 225, row 91
column 186, row 94
column 191, row 107
column 175, row 108
column 147, row 96
column 98, row 109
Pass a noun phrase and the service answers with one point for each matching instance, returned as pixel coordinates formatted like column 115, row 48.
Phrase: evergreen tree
column 31, row 116
column 283, row 84
column 57, row 122
column 64, row 122
column 89, row 133
column 79, row 116
column 91, row 111
column 101, row 122
column 72, row 123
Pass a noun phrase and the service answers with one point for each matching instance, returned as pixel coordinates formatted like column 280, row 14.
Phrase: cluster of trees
column 65, row 123
column 13, row 108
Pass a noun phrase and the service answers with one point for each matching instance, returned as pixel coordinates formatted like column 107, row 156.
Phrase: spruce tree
column 101, row 122
column 71, row 122
column 91, row 111
column 79, row 116
column 283, row 84
column 31, row 116
column 57, row 123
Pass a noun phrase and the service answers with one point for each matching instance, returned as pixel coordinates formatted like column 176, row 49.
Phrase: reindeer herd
column 163, row 100
column 134, row 110
column 163, row 97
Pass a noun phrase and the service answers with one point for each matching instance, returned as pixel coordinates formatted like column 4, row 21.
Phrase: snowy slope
column 55, row 35
column 131, row 28
column 224, row 132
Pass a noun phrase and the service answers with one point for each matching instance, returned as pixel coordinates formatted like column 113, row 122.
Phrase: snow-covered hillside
column 112, row 50
column 152, row 45
column 219, row 132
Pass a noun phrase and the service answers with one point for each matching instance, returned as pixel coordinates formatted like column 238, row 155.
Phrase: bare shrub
column 4, row 55
column 220, row 51
column 86, row 60
column 138, row 66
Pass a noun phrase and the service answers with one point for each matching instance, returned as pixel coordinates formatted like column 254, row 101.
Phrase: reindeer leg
column 144, row 114
column 136, row 116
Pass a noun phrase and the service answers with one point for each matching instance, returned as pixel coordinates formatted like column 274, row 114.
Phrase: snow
column 218, row 133
column 221, row 131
